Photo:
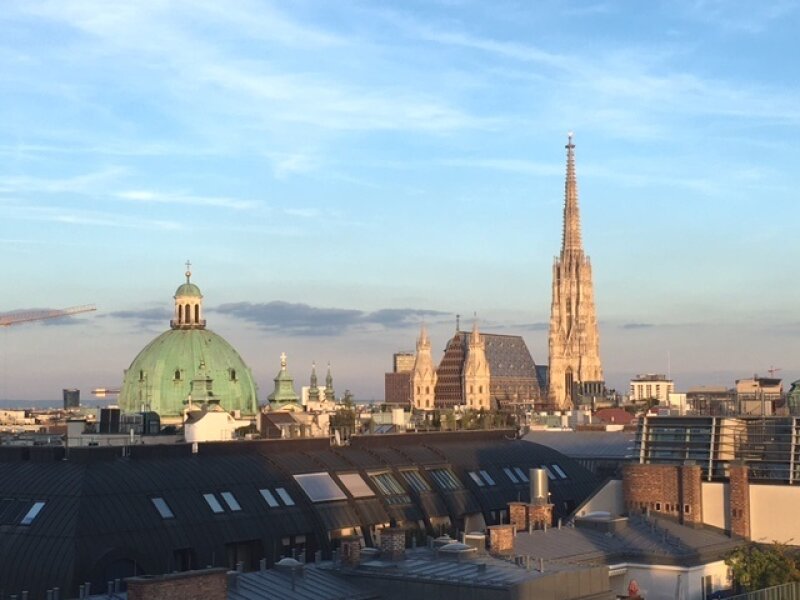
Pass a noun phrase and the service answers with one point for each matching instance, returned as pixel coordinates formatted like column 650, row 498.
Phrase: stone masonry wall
column 210, row 584
column 671, row 490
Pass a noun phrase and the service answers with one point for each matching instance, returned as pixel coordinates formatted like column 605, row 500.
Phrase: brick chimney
column 393, row 543
column 739, row 500
column 350, row 550
column 691, row 495
column 501, row 539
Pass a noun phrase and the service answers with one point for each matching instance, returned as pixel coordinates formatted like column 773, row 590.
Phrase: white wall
column 715, row 505
column 662, row 582
column 607, row 499
column 773, row 513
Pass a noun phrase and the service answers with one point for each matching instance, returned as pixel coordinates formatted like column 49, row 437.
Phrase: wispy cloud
column 68, row 216
column 148, row 196
column 299, row 319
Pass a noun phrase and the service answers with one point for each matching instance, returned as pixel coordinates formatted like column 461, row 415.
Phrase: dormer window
column 232, row 373
column 177, row 374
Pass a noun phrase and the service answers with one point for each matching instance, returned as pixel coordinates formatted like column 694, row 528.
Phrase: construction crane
column 40, row 315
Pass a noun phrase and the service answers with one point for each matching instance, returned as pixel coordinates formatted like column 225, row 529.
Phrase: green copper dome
column 188, row 289
column 159, row 378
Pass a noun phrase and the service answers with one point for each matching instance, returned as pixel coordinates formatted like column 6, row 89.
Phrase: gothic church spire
column 571, row 237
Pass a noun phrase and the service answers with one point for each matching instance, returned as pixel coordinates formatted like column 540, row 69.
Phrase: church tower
column 476, row 372
column 423, row 377
column 574, row 346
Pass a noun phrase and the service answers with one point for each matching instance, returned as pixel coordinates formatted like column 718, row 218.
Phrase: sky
column 339, row 172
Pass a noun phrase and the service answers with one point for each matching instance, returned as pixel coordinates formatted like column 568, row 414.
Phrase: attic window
column 163, row 508
column 476, row 478
column 487, row 478
column 416, row 481
column 549, row 472
column 284, row 495
column 510, row 474
column 213, row 503
column 559, row 471
column 521, row 474
column 269, row 498
column 231, row 501
column 32, row 513
column 446, row 479
column 387, row 484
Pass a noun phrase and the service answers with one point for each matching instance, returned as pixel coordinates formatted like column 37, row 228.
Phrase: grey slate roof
column 661, row 541
column 99, row 519
column 586, row 444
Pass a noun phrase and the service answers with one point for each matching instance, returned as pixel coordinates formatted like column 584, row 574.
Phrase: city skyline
column 339, row 174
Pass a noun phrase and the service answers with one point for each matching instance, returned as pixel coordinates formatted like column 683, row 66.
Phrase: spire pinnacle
column 571, row 239
column 188, row 271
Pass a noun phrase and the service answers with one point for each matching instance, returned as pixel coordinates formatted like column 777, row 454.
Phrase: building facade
column 574, row 343
column 423, row 377
column 651, row 386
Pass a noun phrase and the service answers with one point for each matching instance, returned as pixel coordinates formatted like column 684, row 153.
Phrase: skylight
column 32, row 513
column 387, row 484
column 231, row 501
column 521, row 474
column 284, row 495
column 446, row 479
column 510, row 474
column 270, row 498
column 476, row 478
column 356, row 485
column 213, row 503
column 487, row 478
column 320, row 487
column 559, row 471
column 163, row 508
column 416, row 481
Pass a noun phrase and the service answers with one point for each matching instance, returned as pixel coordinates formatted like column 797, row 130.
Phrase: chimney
column 393, row 543
column 350, row 551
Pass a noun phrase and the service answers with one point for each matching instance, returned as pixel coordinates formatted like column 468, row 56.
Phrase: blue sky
column 338, row 171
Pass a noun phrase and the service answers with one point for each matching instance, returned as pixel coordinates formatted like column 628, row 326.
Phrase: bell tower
column 188, row 305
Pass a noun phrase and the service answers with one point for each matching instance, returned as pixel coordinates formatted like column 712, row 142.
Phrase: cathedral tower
column 423, row 377
column 574, row 346
column 477, row 378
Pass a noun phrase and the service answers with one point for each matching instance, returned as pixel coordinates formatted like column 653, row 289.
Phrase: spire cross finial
column 283, row 361
column 188, row 270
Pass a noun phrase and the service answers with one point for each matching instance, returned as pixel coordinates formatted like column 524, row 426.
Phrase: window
column 687, row 509
column 32, row 513
column 559, row 471
column 387, row 484
column 521, row 474
column 271, row 501
column 549, row 472
column 658, row 505
column 231, row 501
column 480, row 389
column 356, row 485
column 510, row 474
column 415, row 480
column 233, row 374
column 446, row 479
column 177, row 374
column 213, row 503
column 487, row 478
column 163, row 508
column 474, row 476
column 284, row 495
column 320, row 487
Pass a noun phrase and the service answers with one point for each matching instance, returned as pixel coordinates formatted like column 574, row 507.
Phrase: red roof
column 616, row 416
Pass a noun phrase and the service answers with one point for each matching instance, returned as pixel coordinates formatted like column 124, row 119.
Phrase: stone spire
column 571, row 235
column 477, row 377
column 574, row 345
column 313, row 390
column 330, row 395
column 423, row 377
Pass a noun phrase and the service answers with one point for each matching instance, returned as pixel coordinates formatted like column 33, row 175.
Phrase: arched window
column 427, row 389
column 480, row 389
column 196, row 313
column 188, row 313
column 233, row 374
column 141, row 375
column 471, row 389
column 418, row 390
column 177, row 374
column 180, row 313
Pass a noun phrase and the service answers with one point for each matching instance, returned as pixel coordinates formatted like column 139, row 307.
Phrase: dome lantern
column 188, row 305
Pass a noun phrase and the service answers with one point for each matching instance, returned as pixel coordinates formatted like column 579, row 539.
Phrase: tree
column 756, row 567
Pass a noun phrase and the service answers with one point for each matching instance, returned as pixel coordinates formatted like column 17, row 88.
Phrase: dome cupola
column 188, row 305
